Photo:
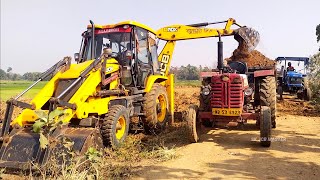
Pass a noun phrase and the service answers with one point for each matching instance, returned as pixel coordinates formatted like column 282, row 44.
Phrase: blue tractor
column 293, row 80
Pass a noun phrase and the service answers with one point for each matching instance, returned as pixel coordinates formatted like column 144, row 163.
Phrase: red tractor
column 233, row 94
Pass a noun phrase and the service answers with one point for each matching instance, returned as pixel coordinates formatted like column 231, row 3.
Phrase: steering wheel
column 238, row 66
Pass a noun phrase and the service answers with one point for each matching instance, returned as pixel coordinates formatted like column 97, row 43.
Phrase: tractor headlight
column 248, row 91
column 206, row 91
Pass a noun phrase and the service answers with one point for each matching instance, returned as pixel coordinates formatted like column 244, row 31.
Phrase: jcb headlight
column 248, row 91
column 206, row 91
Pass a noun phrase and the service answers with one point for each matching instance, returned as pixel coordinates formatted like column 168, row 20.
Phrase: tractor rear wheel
column 268, row 97
column 265, row 126
column 115, row 126
column 156, row 109
column 193, row 125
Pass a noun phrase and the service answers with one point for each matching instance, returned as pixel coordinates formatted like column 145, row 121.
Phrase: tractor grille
column 226, row 94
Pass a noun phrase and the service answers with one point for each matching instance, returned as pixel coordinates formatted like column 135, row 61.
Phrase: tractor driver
column 290, row 68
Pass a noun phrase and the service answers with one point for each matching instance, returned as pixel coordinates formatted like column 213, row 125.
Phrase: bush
column 314, row 77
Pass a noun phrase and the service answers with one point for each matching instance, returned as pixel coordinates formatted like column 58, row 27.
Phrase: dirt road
column 235, row 153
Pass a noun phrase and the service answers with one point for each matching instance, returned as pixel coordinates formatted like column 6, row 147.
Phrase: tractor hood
column 294, row 74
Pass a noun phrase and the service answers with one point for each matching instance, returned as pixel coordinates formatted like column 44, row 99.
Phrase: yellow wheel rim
column 120, row 127
column 161, row 101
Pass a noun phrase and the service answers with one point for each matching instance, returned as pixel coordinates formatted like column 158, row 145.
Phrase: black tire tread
column 268, row 97
column 106, row 128
column 192, row 123
column 150, row 120
column 265, row 126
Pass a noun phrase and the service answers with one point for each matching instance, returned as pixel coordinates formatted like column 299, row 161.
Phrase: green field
column 10, row 89
column 193, row 83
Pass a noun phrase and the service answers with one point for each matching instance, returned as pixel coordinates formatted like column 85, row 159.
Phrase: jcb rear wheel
column 155, row 107
column 115, row 126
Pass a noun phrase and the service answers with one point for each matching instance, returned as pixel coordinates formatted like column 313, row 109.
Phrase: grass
column 116, row 163
column 192, row 83
column 10, row 89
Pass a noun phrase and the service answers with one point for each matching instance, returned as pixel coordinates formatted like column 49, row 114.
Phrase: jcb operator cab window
column 132, row 40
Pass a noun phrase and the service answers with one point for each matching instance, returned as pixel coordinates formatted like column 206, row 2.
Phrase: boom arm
column 194, row 31
column 178, row 32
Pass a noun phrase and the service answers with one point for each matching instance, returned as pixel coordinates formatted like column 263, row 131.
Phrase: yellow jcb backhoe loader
column 232, row 93
column 117, row 77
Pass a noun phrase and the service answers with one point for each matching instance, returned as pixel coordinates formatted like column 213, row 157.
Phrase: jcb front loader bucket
column 248, row 36
column 22, row 146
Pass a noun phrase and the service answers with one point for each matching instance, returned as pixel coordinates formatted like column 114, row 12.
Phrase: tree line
column 9, row 75
column 314, row 74
column 188, row 72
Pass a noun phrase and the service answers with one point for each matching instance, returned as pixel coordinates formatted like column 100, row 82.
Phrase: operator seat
column 239, row 66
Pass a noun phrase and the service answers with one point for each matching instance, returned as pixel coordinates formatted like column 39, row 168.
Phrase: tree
column 318, row 32
column 3, row 75
column 314, row 76
column 9, row 69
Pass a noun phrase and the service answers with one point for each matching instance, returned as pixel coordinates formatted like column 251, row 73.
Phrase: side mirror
column 129, row 54
column 76, row 57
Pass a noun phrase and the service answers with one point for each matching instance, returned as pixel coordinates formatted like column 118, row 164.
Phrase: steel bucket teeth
column 249, row 36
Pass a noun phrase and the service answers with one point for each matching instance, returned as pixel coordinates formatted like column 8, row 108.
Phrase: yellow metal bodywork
column 184, row 32
column 178, row 32
column 169, row 84
column 83, row 97
column 154, row 79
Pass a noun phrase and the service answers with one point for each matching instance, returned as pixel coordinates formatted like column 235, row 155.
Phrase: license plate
column 226, row 112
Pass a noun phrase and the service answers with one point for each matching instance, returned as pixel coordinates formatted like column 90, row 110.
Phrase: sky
column 35, row 34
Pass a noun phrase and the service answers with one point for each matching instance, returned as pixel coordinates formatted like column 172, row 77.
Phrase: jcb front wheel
column 115, row 126
column 155, row 108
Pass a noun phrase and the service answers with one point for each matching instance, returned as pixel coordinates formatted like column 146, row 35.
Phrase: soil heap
column 252, row 58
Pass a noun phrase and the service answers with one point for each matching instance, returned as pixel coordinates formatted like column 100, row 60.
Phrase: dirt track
column 234, row 154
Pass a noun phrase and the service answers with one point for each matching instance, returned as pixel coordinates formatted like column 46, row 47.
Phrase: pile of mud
column 16, row 110
column 293, row 106
column 183, row 98
column 252, row 58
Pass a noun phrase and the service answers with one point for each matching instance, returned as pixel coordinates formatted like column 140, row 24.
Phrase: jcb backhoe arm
column 178, row 32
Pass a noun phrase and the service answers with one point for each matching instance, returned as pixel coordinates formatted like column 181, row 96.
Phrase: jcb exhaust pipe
column 92, row 40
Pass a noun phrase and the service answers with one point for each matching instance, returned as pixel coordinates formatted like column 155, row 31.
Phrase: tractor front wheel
column 115, row 126
column 280, row 92
column 193, row 125
column 265, row 126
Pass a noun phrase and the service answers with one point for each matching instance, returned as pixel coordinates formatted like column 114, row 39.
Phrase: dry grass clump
column 117, row 163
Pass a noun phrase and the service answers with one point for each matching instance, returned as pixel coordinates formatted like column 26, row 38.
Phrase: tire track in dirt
column 235, row 153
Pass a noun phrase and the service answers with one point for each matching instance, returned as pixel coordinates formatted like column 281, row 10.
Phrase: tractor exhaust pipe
column 220, row 53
